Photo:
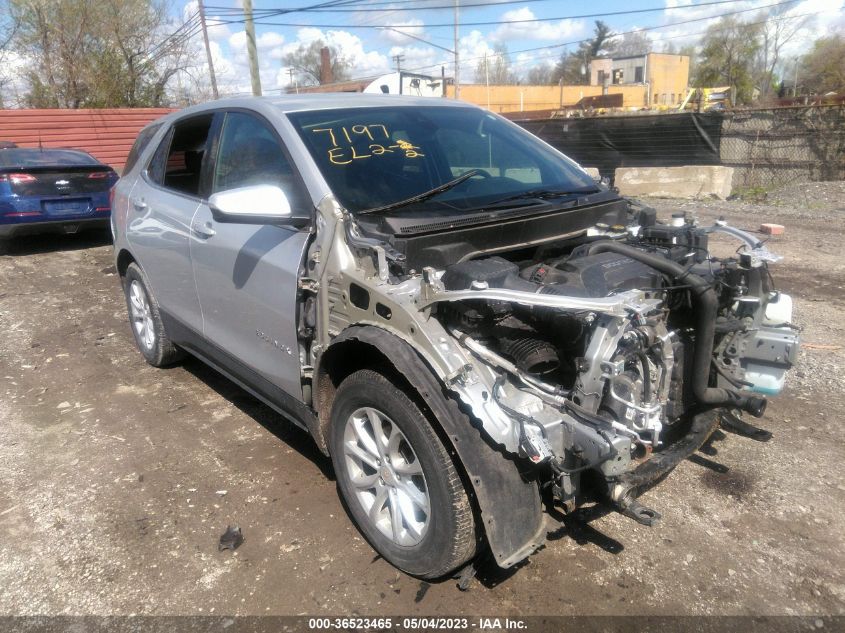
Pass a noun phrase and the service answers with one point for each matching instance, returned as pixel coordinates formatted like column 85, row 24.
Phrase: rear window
column 18, row 157
column 141, row 143
column 177, row 162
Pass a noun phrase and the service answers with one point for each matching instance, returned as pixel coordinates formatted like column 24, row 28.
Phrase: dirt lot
column 119, row 478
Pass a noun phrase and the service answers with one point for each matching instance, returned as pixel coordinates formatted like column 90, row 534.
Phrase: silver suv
column 479, row 334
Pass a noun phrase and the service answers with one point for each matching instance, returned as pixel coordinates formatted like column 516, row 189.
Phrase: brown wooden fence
column 106, row 134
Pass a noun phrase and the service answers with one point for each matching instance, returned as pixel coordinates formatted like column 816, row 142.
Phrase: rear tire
column 145, row 320
column 399, row 483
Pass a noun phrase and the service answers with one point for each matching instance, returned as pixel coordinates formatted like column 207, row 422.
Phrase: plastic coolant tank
column 779, row 312
column 769, row 379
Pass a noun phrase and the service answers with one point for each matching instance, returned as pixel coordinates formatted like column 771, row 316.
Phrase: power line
column 503, row 22
column 272, row 12
column 185, row 32
column 550, row 47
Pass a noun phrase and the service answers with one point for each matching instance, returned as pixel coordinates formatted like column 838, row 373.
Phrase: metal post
column 251, row 48
column 457, row 57
column 208, row 51
column 487, row 79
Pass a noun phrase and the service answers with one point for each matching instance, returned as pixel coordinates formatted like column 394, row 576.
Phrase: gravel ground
column 119, row 478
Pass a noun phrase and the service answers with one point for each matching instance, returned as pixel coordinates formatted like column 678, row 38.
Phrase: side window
column 250, row 153
column 144, row 137
column 177, row 163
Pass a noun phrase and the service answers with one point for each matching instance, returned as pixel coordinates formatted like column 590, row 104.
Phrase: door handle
column 203, row 229
column 139, row 205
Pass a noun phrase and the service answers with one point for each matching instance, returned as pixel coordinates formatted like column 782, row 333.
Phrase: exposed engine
column 630, row 334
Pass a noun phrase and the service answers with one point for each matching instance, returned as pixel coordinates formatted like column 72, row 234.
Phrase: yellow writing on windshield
column 357, row 142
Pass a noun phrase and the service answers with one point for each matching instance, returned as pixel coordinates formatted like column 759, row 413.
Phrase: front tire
column 399, row 483
column 145, row 320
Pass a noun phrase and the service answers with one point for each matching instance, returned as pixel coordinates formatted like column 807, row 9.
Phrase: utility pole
column 208, row 51
column 457, row 56
column 399, row 59
column 487, row 79
column 251, row 48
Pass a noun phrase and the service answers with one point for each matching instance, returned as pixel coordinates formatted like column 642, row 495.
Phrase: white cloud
column 825, row 14
column 350, row 47
column 515, row 27
column 414, row 27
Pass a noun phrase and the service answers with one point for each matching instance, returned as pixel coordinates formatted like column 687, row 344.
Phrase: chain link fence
column 770, row 148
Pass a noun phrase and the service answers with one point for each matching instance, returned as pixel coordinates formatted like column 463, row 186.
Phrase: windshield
column 44, row 158
column 375, row 157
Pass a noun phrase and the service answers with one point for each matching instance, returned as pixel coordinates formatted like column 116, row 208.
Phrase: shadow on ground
column 54, row 242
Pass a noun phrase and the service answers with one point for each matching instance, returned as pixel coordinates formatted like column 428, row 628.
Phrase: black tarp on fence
column 664, row 140
column 766, row 147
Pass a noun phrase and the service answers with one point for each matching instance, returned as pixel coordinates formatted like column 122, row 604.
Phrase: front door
column 247, row 274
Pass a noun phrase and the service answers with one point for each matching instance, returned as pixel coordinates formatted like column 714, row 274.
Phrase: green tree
column 822, row 69
column 98, row 53
column 728, row 52
column 307, row 62
column 573, row 66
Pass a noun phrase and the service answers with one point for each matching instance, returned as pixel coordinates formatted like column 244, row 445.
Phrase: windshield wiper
column 425, row 195
column 547, row 194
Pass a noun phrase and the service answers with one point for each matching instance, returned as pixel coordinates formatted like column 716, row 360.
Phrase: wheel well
column 337, row 362
column 345, row 358
column 124, row 258
column 498, row 490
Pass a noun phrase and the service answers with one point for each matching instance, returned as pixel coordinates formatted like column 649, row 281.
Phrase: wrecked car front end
column 590, row 348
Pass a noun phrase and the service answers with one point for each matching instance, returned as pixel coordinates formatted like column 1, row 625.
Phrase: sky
column 532, row 30
column 370, row 50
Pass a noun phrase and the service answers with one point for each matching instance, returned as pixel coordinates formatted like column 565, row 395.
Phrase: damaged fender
column 509, row 504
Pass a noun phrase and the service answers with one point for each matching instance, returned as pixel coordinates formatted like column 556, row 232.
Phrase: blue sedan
column 52, row 190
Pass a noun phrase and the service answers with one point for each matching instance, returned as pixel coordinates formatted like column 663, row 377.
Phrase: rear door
column 247, row 274
column 161, row 206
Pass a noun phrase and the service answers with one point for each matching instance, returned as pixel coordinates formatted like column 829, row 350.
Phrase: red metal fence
column 106, row 134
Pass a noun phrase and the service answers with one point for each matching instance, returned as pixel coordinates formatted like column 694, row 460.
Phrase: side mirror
column 257, row 204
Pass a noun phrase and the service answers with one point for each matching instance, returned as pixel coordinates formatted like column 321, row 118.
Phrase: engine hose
column 646, row 376
column 631, row 484
column 707, row 306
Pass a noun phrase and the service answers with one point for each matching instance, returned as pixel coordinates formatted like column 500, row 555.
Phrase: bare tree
column 99, row 53
column 540, row 75
column 630, row 44
column 8, row 26
column 495, row 68
column 307, row 62
column 776, row 31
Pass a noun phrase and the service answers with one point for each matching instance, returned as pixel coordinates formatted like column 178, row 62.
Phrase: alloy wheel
column 387, row 476
column 141, row 314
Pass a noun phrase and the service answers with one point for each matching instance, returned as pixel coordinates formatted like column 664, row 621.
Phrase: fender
column 509, row 504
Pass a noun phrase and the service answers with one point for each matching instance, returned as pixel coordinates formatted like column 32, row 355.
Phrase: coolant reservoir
column 774, row 349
